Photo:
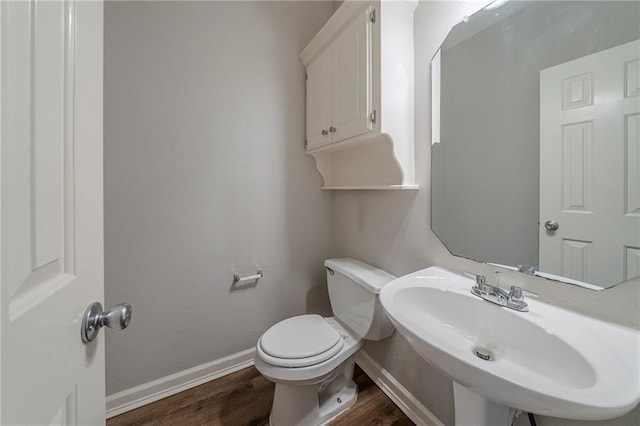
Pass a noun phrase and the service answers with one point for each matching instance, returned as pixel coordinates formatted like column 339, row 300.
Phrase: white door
column 590, row 166
column 51, row 253
column 351, row 79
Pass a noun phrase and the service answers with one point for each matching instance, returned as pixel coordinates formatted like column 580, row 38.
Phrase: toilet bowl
column 311, row 358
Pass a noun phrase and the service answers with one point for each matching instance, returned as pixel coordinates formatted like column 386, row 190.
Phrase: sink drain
column 483, row 353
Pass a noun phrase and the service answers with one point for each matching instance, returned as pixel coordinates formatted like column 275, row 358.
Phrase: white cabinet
column 339, row 103
column 351, row 79
column 319, row 101
column 360, row 96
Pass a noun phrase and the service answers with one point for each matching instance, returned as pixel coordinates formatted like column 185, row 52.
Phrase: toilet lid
column 304, row 336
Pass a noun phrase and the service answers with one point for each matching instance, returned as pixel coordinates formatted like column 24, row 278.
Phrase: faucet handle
column 481, row 280
column 515, row 294
column 481, row 284
column 481, row 288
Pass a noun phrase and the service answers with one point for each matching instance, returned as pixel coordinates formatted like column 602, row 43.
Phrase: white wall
column 206, row 175
column 391, row 230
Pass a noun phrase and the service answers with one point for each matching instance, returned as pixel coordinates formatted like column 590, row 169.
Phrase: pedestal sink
column 547, row 361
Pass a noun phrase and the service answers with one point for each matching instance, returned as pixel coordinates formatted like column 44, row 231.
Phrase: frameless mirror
column 536, row 139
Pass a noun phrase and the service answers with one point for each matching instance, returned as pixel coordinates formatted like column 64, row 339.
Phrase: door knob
column 324, row 132
column 94, row 319
column 332, row 129
column 551, row 225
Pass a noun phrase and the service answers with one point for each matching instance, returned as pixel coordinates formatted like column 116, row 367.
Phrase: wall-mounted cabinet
column 360, row 96
column 339, row 86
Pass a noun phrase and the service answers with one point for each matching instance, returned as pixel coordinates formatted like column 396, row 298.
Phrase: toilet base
column 314, row 404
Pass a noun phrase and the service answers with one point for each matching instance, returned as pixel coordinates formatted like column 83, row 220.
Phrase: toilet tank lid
column 370, row 277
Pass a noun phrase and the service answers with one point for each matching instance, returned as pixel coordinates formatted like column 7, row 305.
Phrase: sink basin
column 548, row 361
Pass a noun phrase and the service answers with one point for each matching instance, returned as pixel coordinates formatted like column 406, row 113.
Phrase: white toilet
column 311, row 358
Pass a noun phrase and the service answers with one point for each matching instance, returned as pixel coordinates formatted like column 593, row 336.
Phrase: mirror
column 536, row 139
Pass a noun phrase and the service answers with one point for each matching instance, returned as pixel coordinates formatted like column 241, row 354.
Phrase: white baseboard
column 147, row 393
column 413, row 408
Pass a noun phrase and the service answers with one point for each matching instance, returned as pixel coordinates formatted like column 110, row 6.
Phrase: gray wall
column 391, row 230
column 486, row 168
column 206, row 175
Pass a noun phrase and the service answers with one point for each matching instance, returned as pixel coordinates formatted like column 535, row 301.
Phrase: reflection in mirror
column 536, row 139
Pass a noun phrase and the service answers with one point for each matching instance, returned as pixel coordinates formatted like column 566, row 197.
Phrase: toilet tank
column 354, row 289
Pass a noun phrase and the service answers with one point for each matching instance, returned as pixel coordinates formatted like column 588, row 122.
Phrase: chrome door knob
column 94, row 319
column 551, row 225
column 324, row 132
column 332, row 129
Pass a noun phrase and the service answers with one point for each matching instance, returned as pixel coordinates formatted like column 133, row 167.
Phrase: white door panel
column 589, row 166
column 351, row 79
column 319, row 101
column 51, row 192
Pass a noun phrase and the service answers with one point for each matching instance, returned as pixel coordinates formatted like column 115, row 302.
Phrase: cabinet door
column 319, row 101
column 351, row 79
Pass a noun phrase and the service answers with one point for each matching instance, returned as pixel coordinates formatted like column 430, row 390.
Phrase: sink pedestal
column 473, row 409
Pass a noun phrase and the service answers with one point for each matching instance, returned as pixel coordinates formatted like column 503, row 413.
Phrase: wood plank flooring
column 244, row 398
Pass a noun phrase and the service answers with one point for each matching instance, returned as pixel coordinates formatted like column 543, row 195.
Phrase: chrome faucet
column 494, row 294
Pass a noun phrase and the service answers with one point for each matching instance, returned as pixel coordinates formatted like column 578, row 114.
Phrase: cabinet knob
column 324, row 132
column 332, row 129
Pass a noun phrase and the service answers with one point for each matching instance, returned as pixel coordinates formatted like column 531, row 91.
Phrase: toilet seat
column 300, row 341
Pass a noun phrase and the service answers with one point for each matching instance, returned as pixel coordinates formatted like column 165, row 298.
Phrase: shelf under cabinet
column 383, row 187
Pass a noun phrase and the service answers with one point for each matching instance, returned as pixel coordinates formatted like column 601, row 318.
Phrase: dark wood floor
column 244, row 398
